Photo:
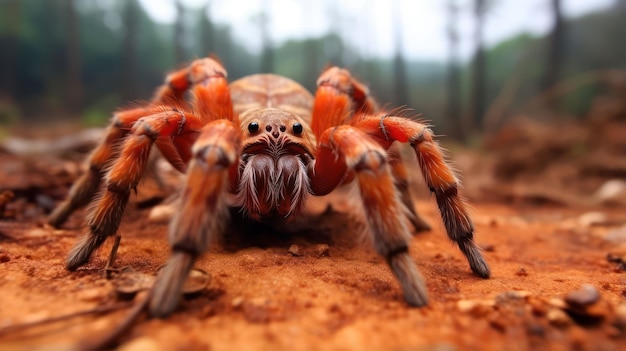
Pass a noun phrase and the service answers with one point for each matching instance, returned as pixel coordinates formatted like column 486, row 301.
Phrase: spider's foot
column 60, row 214
column 168, row 287
column 81, row 252
column 476, row 261
column 412, row 284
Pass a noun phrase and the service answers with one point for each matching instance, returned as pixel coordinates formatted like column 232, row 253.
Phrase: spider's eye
column 297, row 128
column 253, row 127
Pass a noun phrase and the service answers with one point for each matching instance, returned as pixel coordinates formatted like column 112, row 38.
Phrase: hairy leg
column 203, row 214
column 386, row 214
column 124, row 175
column 401, row 178
column 342, row 99
column 82, row 192
column 438, row 176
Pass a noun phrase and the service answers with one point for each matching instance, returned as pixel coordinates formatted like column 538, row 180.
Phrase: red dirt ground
column 336, row 297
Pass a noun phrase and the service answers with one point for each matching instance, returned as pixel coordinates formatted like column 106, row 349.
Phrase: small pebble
column 620, row 316
column 141, row 344
column 558, row 317
column 521, row 272
column 321, row 250
column 488, row 248
column 612, row 191
column 538, row 306
column 476, row 308
column 512, row 295
column 90, row 295
column 161, row 213
column 557, row 303
column 616, row 258
column 617, row 236
column 294, row 250
column 197, row 281
column 591, row 219
column 237, row 301
column 587, row 295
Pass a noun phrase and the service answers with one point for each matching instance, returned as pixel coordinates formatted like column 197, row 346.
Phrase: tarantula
column 263, row 144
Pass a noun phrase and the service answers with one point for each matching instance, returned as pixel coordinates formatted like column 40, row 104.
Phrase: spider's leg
column 342, row 99
column 179, row 82
column 203, row 215
column 206, row 81
column 124, row 175
column 171, row 93
column 347, row 150
column 87, row 185
column 438, row 176
column 401, row 177
column 338, row 98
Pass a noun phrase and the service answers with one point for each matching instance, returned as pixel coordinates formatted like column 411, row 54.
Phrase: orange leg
column 341, row 99
column 177, row 83
column 338, row 98
column 124, row 175
column 203, row 215
column 401, row 177
column 347, row 150
column 437, row 174
column 87, row 185
column 212, row 101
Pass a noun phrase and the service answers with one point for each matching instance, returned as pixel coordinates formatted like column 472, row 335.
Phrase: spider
column 263, row 144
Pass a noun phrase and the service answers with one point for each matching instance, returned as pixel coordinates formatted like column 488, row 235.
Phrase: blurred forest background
column 78, row 60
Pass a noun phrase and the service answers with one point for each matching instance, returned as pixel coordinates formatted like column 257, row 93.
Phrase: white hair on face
column 275, row 174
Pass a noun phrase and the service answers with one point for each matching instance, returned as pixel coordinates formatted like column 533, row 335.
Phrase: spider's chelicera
column 264, row 144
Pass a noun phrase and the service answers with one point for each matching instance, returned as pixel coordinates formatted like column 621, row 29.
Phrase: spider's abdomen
column 270, row 90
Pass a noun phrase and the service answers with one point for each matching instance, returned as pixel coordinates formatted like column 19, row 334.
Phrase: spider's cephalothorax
column 263, row 144
column 277, row 146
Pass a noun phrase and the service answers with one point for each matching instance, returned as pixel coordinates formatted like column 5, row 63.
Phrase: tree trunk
column 478, row 68
column 401, row 89
column 179, row 34
column 556, row 42
column 129, row 67
column 453, row 107
column 207, row 34
column 335, row 50
column 10, row 47
column 74, row 89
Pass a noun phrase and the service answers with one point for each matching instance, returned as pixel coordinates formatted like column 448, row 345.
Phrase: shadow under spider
column 330, row 227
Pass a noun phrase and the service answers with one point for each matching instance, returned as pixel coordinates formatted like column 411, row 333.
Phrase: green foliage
column 111, row 75
column 592, row 42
